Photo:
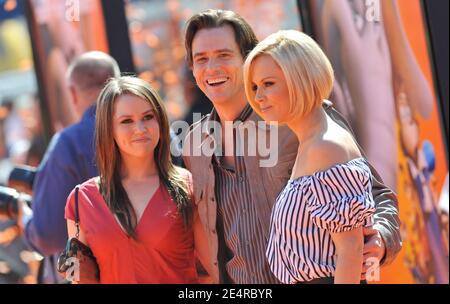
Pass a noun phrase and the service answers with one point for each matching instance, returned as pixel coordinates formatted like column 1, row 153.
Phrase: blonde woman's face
column 135, row 126
column 269, row 86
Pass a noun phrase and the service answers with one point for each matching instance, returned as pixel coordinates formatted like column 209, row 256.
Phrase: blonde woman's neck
column 309, row 125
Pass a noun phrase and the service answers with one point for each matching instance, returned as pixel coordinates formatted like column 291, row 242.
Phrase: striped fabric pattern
column 244, row 235
column 308, row 210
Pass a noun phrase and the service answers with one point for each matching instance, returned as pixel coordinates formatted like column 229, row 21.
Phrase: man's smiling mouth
column 216, row 81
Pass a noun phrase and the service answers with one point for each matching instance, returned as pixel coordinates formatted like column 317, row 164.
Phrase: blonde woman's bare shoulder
column 322, row 154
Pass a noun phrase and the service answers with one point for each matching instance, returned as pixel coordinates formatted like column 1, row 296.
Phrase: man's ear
column 73, row 95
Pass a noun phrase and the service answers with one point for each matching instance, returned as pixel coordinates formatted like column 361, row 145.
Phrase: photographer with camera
column 15, row 200
column 17, row 263
column 68, row 161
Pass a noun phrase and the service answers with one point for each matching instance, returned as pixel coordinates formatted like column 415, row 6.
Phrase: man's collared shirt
column 243, row 239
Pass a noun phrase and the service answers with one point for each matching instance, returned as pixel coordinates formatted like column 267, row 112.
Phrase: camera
column 21, row 178
column 20, row 186
column 9, row 204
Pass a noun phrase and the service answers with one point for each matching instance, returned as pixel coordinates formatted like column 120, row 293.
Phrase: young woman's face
column 269, row 86
column 135, row 126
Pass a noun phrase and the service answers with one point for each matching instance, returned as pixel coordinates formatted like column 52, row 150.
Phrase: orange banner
column 384, row 86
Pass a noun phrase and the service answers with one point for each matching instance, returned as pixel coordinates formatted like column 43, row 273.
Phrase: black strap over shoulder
column 77, row 216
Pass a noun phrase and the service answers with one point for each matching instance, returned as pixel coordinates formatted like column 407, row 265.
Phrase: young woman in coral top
column 136, row 216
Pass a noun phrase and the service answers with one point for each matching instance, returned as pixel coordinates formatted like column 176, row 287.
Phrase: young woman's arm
column 72, row 231
column 349, row 249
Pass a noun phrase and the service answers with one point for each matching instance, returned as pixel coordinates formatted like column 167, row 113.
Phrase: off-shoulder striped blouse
column 308, row 210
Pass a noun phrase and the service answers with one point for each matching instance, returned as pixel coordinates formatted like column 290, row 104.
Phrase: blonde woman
column 136, row 216
column 316, row 231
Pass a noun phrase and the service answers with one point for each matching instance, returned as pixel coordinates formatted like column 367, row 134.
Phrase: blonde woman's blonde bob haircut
column 308, row 72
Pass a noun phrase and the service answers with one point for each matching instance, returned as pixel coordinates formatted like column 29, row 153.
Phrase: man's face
column 217, row 64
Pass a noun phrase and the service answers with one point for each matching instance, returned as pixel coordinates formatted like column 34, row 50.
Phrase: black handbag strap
column 77, row 216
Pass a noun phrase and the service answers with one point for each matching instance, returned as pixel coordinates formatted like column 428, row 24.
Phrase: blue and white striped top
column 308, row 210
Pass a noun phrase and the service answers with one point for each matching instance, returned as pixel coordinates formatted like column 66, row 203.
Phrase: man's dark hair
column 213, row 18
